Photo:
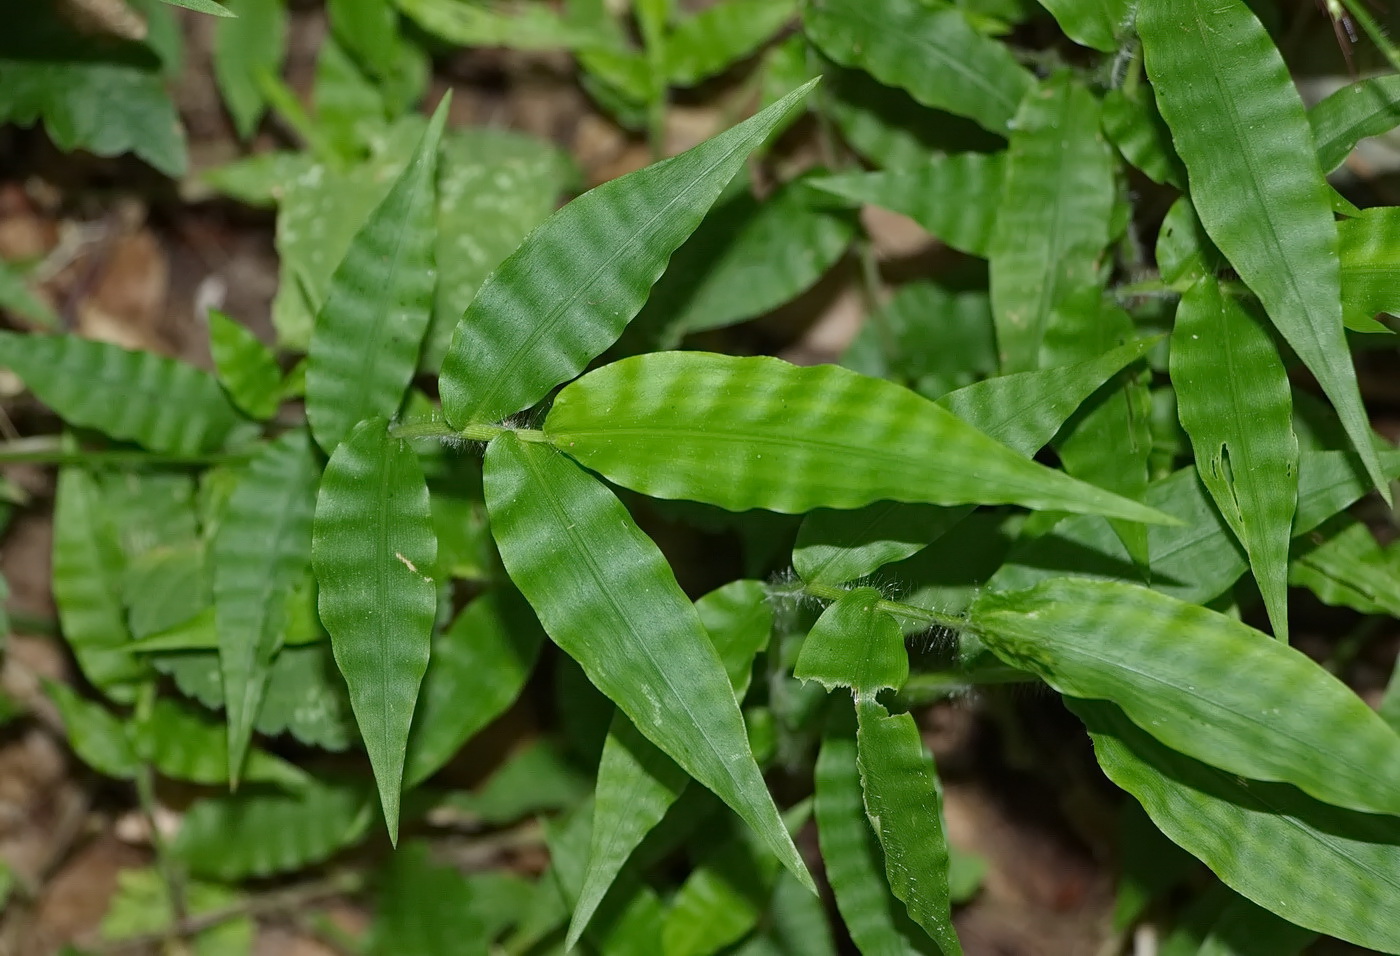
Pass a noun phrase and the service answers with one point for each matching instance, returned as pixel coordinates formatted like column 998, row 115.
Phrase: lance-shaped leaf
column 1022, row 410
column 1234, row 401
column 262, row 833
column 1093, row 23
column 87, row 569
column 164, row 405
column 1175, row 669
column 855, row 644
column 855, row 866
column 364, row 346
column 905, row 806
column 721, row 35
column 261, row 551
column 244, row 47
column 372, row 544
column 1133, row 125
column 929, row 50
column 955, row 197
column 759, row 433
column 722, row 898
column 530, row 27
column 606, row 595
column 1053, row 221
column 1240, row 128
column 477, row 668
column 1370, row 248
column 247, row 369
column 1344, row 566
column 568, row 292
column 637, row 782
column 1317, row 865
column 1351, row 114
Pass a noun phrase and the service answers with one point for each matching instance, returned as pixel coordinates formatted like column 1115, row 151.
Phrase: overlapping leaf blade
column 1366, row 108
column 855, row 644
column 87, row 567
column 372, row 543
column 261, row 551
column 637, row 782
column 1329, row 869
column 955, row 197
column 568, row 292
column 905, row 806
column 477, row 668
column 1344, row 566
column 1093, row 23
column 247, row 369
column 1133, row 124
column 1370, row 247
column 721, row 35
column 1235, row 402
column 528, row 28
column 760, row 433
column 855, row 867
column 1174, row 669
column 615, row 607
column 930, row 50
column 96, row 735
column 164, row 405
column 186, row 744
column 722, row 898
column 364, row 346
column 1053, row 221
column 1240, row 128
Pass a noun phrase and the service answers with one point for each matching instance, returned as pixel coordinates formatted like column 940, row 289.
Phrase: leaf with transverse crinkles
column 606, row 595
column 760, row 433
column 1325, row 868
column 568, row 292
column 1175, row 670
column 1240, row 128
column 372, row 543
column 364, row 345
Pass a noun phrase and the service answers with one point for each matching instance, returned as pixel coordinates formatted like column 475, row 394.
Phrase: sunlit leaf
column 1240, row 128
column 247, row 369
column 260, row 554
column 477, row 668
column 1353, row 113
column 760, row 433
column 365, row 343
column 1053, row 221
column 930, row 50
column 164, row 405
column 954, row 197
column 1174, row 669
column 1328, row 869
column 1234, row 400
column 570, row 290
column 372, row 543
column 613, row 604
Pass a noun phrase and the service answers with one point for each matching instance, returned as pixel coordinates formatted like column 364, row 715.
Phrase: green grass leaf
column 187, row 744
column 759, row 433
column 1175, row 670
column 1234, row 401
column 905, row 806
column 87, row 569
column 746, row 258
column 1370, row 246
column 164, row 405
column 1133, row 124
column 1053, row 220
column 247, row 369
column 717, row 37
column 530, row 27
column 373, row 533
column 1240, row 128
column 17, row 296
column 1344, row 566
column 96, row 735
column 202, row 6
column 365, row 343
column 1326, row 868
column 261, row 552
column 477, row 668
column 1246, row 929
column 569, row 291
column 246, row 46
column 930, row 50
column 931, row 336
column 261, row 833
column 955, row 197
column 855, row 644
column 1091, row 23
column 855, row 864
column 721, row 900
column 426, row 909
column 605, row 594
column 1353, row 113
column 637, row 781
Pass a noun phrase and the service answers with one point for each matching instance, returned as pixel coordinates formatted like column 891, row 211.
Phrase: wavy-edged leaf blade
column 569, row 291
column 759, row 433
